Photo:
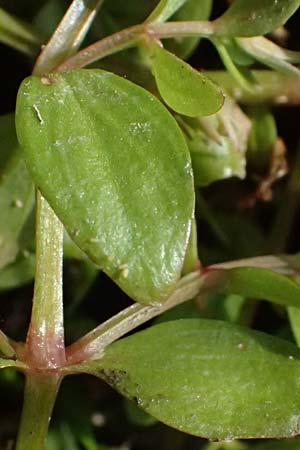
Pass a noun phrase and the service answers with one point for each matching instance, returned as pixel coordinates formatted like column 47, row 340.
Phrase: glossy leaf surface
column 113, row 164
column 255, row 17
column 208, row 378
column 183, row 88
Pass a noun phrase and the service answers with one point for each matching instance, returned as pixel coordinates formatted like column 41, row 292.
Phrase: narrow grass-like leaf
column 183, row 88
column 225, row 381
column 113, row 164
column 255, row 17
column 18, row 34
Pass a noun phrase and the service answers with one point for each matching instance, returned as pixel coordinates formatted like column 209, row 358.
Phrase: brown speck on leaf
column 47, row 81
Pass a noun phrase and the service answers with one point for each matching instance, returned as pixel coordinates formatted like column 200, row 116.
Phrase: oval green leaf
column 208, row 378
column 183, row 88
column 113, row 164
column 255, row 17
column 259, row 283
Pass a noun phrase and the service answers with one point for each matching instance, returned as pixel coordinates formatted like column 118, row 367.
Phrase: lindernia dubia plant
column 114, row 148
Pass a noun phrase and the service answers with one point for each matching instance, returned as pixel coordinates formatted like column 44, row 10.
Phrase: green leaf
column 241, row 73
column 255, row 17
column 16, row 191
column 191, row 260
column 294, row 319
column 226, row 381
column 5, row 363
column 18, row 34
column 254, row 282
column 270, row 54
column 262, row 137
column 111, row 20
column 183, row 88
column 18, row 273
column 164, row 10
column 191, row 10
column 108, row 145
column 137, row 416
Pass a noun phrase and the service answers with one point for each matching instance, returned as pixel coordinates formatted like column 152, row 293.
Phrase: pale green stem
column 181, row 29
column 92, row 344
column 45, row 341
column 45, row 348
column 131, row 36
column 271, row 88
column 231, row 67
column 39, row 397
column 69, row 34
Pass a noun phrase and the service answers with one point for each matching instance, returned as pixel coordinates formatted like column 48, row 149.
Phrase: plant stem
column 231, row 67
column 272, row 88
column 45, row 347
column 69, row 34
column 92, row 344
column 40, row 390
column 45, row 340
column 131, row 36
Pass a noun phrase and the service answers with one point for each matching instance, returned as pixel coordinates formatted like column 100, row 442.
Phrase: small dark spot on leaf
column 114, row 377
